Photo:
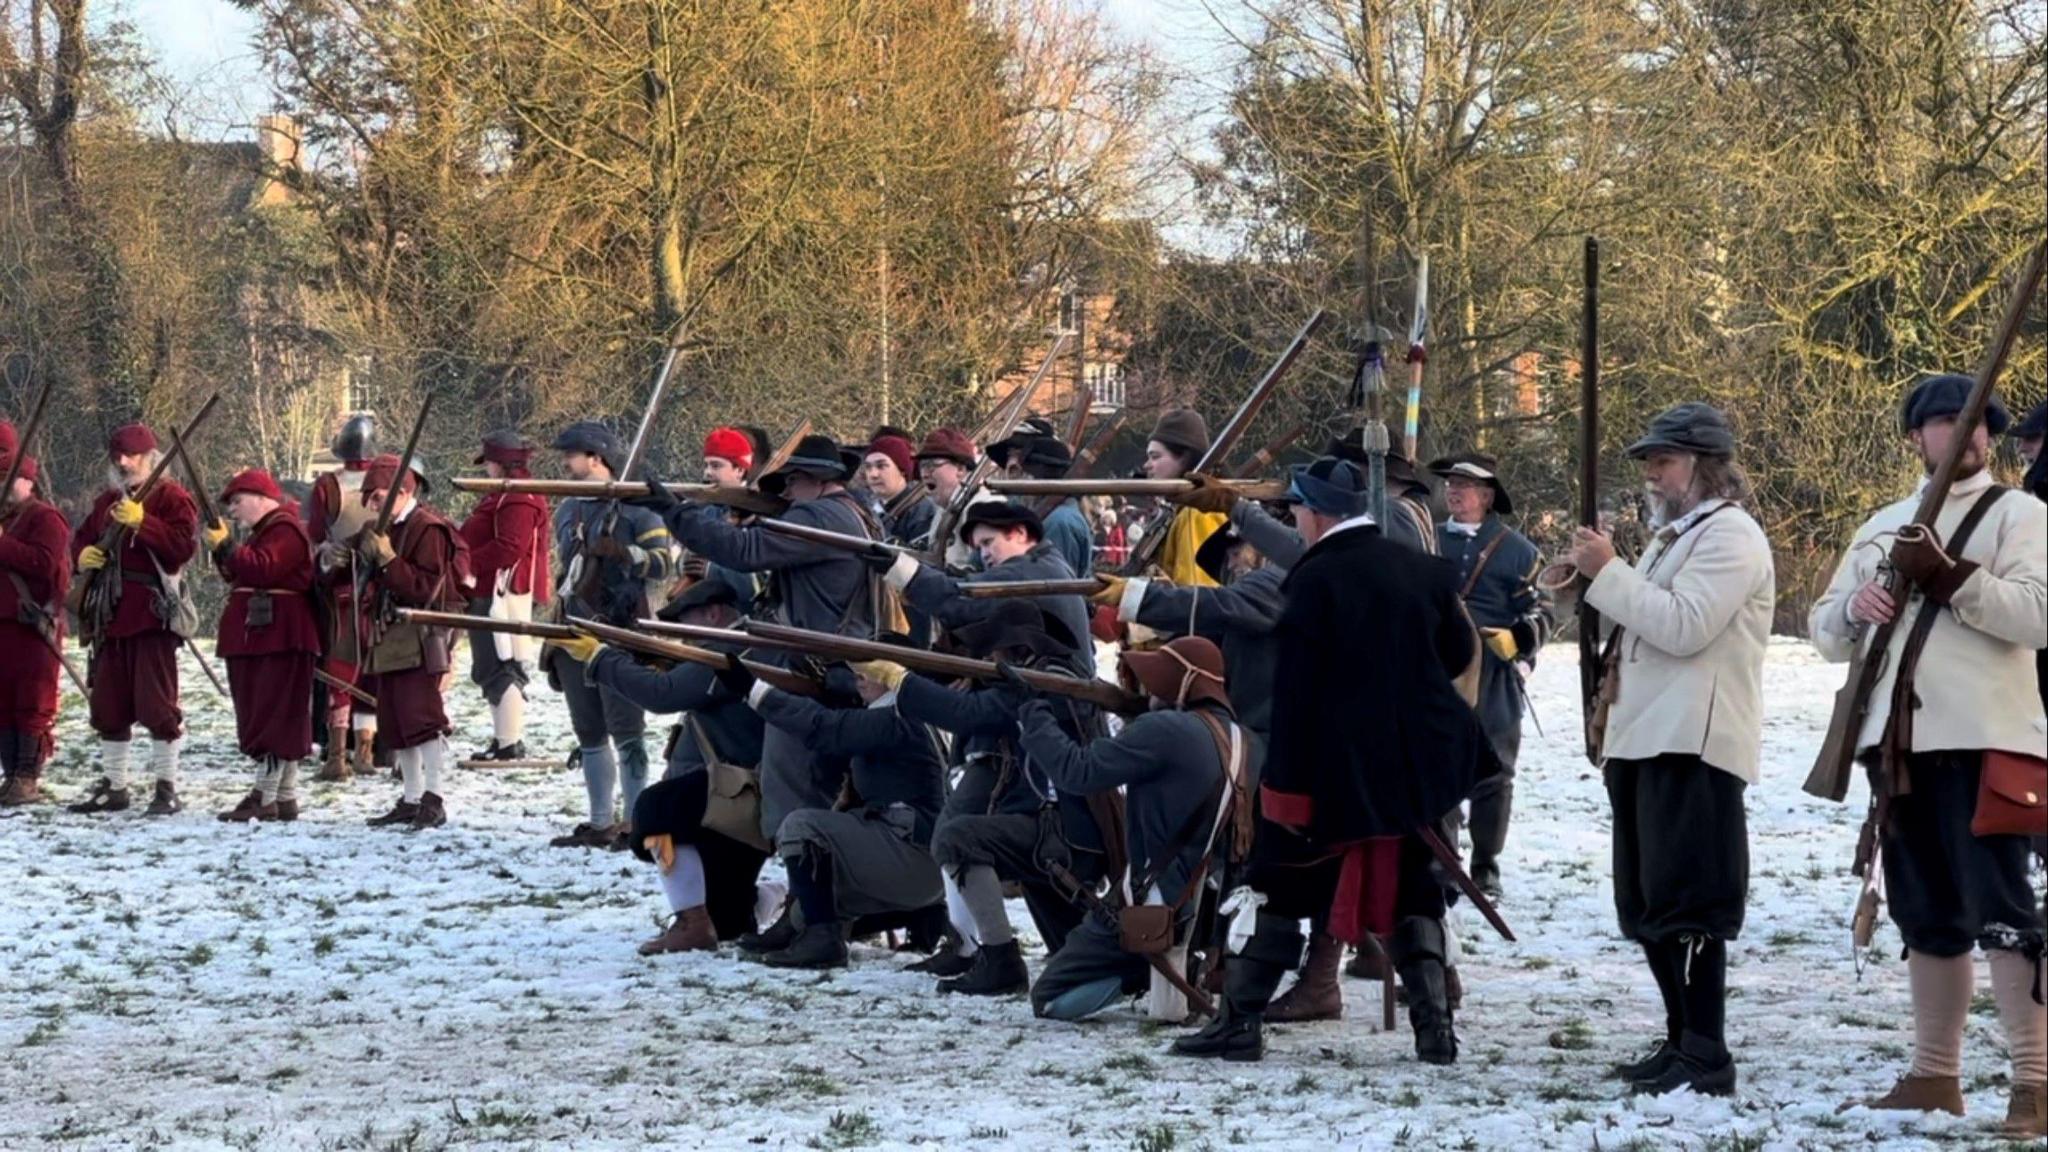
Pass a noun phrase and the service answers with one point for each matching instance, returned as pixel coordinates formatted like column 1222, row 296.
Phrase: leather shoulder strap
column 1479, row 565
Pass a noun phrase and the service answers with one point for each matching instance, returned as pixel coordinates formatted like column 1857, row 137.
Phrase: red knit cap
column 131, row 440
column 254, row 481
column 28, row 465
column 898, row 450
column 730, row 444
column 9, row 439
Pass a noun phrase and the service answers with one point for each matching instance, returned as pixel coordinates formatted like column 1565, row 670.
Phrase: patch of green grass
column 42, row 1033
column 1575, row 1036
column 197, row 956
column 323, row 945
column 849, row 1130
column 1129, row 1062
column 1158, row 1138
column 1303, row 1085
column 1409, row 1098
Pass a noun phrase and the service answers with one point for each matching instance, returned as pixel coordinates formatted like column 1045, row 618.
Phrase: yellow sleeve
column 1184, row 537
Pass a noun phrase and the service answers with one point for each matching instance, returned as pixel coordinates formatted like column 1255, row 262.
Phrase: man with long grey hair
column 1681, row 693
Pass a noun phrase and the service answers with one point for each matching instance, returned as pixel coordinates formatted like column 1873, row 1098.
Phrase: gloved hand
column 375, row 547
column 878, row 558
column 736, row 679
column 1015, row 679
column 91, row 558
column 213, row 534
column 580, row 647
column 127, row 513
column 658, row 499
column 1501, row 642
column 1111, row 594
column 1920, row 558
column 887, row 674
column 607, row 547
column 1209, row 494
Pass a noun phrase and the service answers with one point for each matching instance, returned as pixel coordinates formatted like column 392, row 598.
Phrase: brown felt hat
column 1182, row 428
column 1185, row 671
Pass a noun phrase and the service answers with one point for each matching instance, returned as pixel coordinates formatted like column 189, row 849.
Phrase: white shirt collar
column 1463, row 529
column 885, row 700
column 1969, row 487
column 1362, row 520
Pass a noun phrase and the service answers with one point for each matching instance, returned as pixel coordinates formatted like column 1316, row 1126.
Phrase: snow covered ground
column 180, row 983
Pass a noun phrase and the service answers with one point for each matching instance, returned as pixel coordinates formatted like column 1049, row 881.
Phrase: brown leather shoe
column 1315, row 995
column 401, row 814
column 287, row 811
column 1918, row 1094
column 432, row 813
column 2026, row 1113
column 104, row 797
column 365, row 763
column 21, row 791
column 690, row 931
column 334, row 769
column 163, row 800
column 1367, row 964
column 251, row 807
column 586, row 836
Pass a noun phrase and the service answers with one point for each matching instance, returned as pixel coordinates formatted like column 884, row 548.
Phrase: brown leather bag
column 2012, row 796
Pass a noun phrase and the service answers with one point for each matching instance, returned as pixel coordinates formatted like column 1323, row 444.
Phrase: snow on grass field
column 181, row 983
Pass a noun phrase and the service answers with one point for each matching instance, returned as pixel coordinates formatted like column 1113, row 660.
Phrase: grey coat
column 732, row 728
column 1066, row 529
column 938, row 595
column 810, row 585
column 1239, row 617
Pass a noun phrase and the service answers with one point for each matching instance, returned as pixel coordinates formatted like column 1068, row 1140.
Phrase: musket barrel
column 429, row 619
column 1249, row 489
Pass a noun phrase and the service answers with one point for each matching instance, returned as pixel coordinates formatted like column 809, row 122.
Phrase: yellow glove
column 883, row 672
column 1111, row 593
column 91, row 559
column 126, row 513
column 376, row 547
column 1501, row 642
column 582, row 649
column 213, row 535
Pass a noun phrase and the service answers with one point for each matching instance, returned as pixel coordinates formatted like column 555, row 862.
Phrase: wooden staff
column 743, row 499
column 1248, row 489
column 340, row 685
column 769, row 674
column 1098, row 692
column 1259, row 462
column 1019, row 589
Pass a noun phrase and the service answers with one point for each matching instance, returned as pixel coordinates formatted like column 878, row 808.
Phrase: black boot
column 1665, row 958
column 1249, row 979
column 1417, row 947
column 998, row 970
column 775, row 937
column 1700, row 1064
column 947, row 961
column 818, row 946
column 513, row 751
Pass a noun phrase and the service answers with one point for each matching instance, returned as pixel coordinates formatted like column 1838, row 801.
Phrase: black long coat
column 1370, row 737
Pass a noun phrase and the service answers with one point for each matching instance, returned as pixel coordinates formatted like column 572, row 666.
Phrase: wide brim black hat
column 815, row 456
column 1213, row 556
column 1476, row 466
column 1017, row 624
column 1400, row 469
column 1032, row 451
column 1001, row 514
column 2035, row 426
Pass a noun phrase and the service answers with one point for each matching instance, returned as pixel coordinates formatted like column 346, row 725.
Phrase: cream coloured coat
column 1697, row 617
column 1976, row 680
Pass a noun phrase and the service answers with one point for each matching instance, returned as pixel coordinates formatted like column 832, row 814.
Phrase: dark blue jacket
column 937, row 595
column 893, row 759
column 1066, row 529
column 810, row 585
column 622, row 589
column 732, row 728
column 1503, row 596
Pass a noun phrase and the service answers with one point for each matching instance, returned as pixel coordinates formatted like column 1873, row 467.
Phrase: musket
column 1021, row 589
column 1259, row 462
column 1248, row 489
column 830, row 539
column 1831, row 769
column 741, row 499
column 1098, row 692
column 1077, row 423
column 1463, row 879
column 782, row 678
column 1226, row 440
column 584, row 582
column 1418, row 335
column 412, row 446
column 24, row 435
column 339, row 685
column 997, row 428
column 535, row 629
column 784, row 451
column 1589, row 489
column 87, row 596
column 199, row 492
column 1084, row 458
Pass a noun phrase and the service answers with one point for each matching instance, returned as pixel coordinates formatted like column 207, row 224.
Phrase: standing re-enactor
column 1497, row 569
column 611, row 552
column 944, row 461
column 1371, row 742
column 416, row 564
column 268, row 637
column 1969, row 696
column 335, row 516
column 1684, row 633
column 1171, row 452
column 134, row 670
column 507, row 535
column 35, row 572
column 2030, row 433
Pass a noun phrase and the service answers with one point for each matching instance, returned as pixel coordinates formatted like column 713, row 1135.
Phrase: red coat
column 510, row 530
column 277, row 558
column 422, row 574
column 35, row 546
column 170, row 532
